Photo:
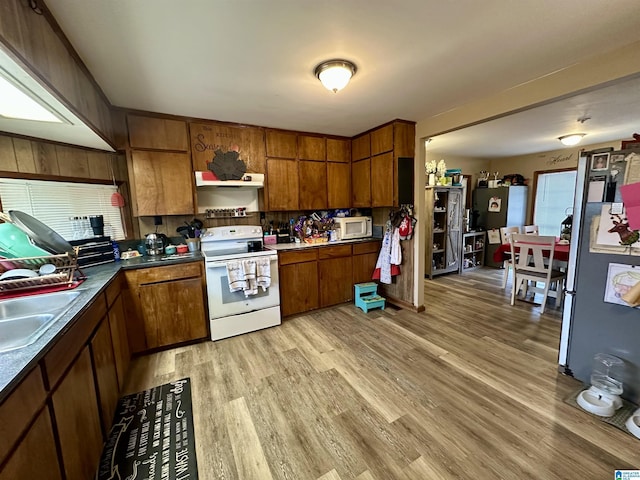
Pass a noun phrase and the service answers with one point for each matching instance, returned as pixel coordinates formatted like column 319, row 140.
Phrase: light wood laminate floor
column 468, row 389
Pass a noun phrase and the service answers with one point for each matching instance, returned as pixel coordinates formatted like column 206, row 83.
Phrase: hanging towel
column 384, row 268
column 396, row 251
column 249, row 269
column 263, row 273
column 235, row 276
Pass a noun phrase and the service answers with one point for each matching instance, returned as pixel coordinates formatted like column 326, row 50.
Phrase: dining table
column 560, row 252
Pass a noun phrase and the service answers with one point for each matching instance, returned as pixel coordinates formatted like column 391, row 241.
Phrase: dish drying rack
column 66, row 264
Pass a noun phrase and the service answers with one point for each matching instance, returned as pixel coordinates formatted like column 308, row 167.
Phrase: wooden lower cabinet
column 335, row 271
column 298, row 281
column 320, row 277
column 118, row 327
column 365, row 257
column 104, row 366
column 75, row 408
column 335, row 281
column 35, row 456
column 165, row 306
column 181, row 320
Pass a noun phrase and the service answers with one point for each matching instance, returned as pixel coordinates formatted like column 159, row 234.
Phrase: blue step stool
column 367, row 297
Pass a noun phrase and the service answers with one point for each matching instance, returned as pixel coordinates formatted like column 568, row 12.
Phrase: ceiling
column 252, row 61
column 604, row 115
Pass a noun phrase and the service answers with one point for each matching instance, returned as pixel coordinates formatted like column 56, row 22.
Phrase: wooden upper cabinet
column 361, row 183
column 338, row 185
column 313, row 185
column 382, row 140
column 382, row 180
column 281, row 144
column 157, row 133
column 338, row 150
column 404, row 135
column 312, row 148
column 282, row 184
column 361, row 147
column 206, row 138
column 162, row 183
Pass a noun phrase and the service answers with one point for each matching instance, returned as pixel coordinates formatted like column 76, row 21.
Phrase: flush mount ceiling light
column 573, row 139
column 18, row 102
column 335, row 74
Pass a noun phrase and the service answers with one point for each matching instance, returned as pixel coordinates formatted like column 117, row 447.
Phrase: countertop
column 14, row 364
column 299, row 246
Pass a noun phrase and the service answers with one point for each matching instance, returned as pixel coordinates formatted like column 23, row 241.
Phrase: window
column 55, row 203
column 555, row 192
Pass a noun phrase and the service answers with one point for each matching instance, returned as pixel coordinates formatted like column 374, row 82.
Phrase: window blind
column 56, row 203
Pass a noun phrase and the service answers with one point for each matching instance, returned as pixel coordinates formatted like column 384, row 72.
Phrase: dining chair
column 505, row 233
column 529, row 253
column 531, row 230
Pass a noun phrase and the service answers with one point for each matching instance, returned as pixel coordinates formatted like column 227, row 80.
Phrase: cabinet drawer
column 366, row 247
column 333, row 252
column 307, row 255
column 170, row 272
column 18, row 409
column 113, row 290
column 65, row 350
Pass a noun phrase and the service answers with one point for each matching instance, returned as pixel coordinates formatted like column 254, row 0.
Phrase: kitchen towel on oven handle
column 263, row 272
column 249, row 275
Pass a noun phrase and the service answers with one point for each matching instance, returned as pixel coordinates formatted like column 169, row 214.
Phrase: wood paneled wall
column 39, row 43
column 31, row 157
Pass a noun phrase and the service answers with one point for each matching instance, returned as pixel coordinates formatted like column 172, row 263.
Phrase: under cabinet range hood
column 249, row 180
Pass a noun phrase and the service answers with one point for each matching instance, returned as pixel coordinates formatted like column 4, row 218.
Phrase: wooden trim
column 56, row 178
column 534, row 187
column 402, row 304
column 397, row 120
column 63, row 144
column 72, row 51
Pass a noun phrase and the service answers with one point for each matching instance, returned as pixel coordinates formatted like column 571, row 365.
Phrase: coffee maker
column 155, row 243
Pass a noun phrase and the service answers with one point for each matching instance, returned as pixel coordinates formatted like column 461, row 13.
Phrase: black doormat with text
column 152, row 436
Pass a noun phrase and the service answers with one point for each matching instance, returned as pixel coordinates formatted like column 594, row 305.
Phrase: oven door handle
column 274, row 258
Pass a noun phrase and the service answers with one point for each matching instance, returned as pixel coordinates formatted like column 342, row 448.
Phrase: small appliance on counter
column 94, row 251
column 354, row 227
column 155, row 243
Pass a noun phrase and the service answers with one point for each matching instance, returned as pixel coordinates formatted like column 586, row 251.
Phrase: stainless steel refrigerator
column 512, row 212
column 589, row 324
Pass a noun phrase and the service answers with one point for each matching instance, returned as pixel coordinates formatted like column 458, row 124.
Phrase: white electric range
column 233, row 313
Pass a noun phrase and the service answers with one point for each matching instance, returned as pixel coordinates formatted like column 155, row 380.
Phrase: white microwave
column 354, row 227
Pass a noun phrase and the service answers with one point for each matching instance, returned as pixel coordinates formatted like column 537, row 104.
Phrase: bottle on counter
column 116, row 250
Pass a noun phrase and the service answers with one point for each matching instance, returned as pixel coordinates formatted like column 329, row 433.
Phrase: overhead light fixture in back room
column 335, row 74
column 572, row 139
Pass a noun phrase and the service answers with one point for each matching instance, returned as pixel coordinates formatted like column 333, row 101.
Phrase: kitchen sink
column 23, row 320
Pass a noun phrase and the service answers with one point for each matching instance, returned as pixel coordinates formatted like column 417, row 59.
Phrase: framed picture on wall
column 600, row 161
